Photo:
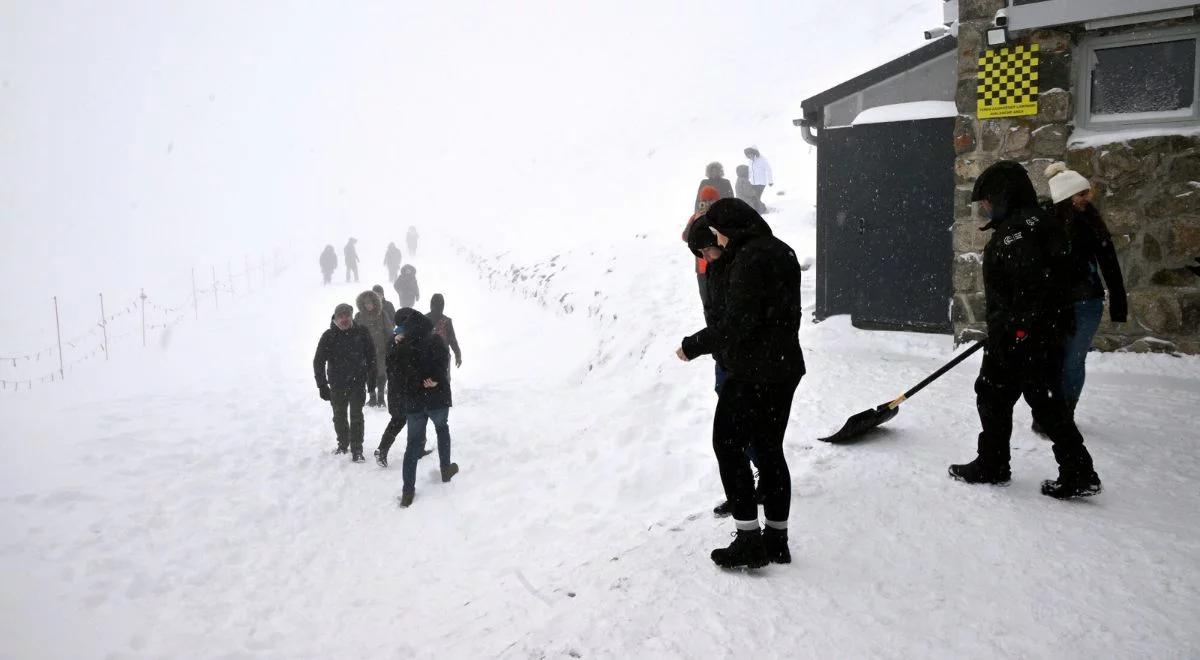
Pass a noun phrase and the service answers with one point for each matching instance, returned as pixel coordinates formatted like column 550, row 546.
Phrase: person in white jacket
column 760, row 177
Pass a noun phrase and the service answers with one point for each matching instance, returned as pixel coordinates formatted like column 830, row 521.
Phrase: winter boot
column 775, row 545
column 1069, row 486
column 340, row 449
column 357, row 456
column 723, row 510
column 381, row 458
column 746, row 550
column 406, row 498
column 449, row 472
column 980, row 471
column 371, row 402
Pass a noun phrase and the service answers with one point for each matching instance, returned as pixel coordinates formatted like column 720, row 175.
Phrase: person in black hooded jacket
column 343, row 364
column 1029, row 315
column 714, row 175
column 757, row 341
column 420, row 360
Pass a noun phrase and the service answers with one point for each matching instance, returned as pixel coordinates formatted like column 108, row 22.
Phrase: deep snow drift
column 187, row 506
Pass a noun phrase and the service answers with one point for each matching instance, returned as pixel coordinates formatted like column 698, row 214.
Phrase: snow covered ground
column 186, row 505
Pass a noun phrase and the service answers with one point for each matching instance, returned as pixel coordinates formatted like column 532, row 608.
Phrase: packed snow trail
column 187, row 505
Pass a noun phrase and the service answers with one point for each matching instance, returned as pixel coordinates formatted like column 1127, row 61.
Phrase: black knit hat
column 700, row 236
column 343, row 308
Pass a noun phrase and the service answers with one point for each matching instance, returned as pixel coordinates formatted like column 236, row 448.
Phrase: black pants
column 754, row 415
column 1035, row 372
column 394, row 427
column 349, row 400
column 756, row 193
column 381, row 379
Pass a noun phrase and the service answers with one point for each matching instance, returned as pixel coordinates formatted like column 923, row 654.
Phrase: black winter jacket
column 1025, row 264
column 420, row 355
column 721, row 184
column 1093, row 255
column 757, row 334
column 345, row 359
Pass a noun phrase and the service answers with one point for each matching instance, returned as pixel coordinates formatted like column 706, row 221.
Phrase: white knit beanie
column 1065, row 183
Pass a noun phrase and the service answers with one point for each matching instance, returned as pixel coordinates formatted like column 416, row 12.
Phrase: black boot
column 723, row 510
column 746, row 550
column 980, row 471
column 381, row 458
column 1071, row 485
column 340, row 449
column 406, row 498
column 357, row 456
column 449, row 472
column 775, row 545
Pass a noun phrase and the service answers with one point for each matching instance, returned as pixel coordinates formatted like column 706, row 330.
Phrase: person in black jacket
column 392, row 258
column 421, row 360
column 443, row 326
column 406, row 286
column 343, row 365
column 351, row 254
column 757, row 341
column 714, row 175
column 1092, row 254
column 703, row 243
column 1029, row 315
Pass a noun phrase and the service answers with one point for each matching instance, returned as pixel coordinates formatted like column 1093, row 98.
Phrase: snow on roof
column 906, row 112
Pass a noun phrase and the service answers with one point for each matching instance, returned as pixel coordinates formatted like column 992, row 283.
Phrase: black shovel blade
column 863, row 422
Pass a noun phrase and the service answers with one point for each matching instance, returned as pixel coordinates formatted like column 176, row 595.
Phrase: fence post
column 195, row 298
column 104, row 326
column 216, row 298
column 143, row 297
column 58, row 331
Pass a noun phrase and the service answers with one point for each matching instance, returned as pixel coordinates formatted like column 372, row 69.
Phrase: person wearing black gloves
column 421, row 360
column 757, row 341
column 1029, row 315
column 1092, row 256
column 344, row 367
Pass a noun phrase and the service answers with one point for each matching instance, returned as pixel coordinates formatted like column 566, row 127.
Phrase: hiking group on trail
column 379, row 356
column 1045, row 268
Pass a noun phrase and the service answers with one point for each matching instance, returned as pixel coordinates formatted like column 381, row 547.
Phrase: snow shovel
column 873, row 417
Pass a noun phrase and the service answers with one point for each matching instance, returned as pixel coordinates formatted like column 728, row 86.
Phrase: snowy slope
column 187, row 506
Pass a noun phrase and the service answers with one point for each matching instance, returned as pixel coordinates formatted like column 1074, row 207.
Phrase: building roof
column 812, row 106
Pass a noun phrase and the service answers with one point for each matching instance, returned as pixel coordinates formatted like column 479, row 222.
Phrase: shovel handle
column 937, row 374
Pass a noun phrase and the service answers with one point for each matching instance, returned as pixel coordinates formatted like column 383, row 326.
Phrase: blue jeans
column 416, row 441
column 1087, row 321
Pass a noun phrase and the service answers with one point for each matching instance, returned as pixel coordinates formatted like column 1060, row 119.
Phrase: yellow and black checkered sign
column 1008, row 82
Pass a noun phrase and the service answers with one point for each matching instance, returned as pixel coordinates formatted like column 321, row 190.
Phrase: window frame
column 1084, row 55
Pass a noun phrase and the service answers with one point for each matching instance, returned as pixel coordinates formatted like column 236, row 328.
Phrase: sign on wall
column 1008, row 82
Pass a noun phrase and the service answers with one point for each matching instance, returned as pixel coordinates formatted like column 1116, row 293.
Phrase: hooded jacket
column 351, row 253
column 716, row 282
column 1025, row 263
column 443, row 325
column 421, row 354
column 377, row 323
column 757, row 334
column 392, row 257
column 329, row 260
column 406, row 286
column 345, row 359
column 741, row 185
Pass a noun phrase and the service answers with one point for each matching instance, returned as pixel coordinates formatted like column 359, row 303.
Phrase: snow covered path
column 186, row 506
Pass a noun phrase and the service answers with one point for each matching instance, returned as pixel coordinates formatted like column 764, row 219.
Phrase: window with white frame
column 1139, row 78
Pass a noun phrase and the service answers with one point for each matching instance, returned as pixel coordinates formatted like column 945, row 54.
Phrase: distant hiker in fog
column 371, row 316
column 757, row 339
column 328, row 263
column 424, row 393
column 703, row 244
column 412, row 237
column 443, row 326
column 1092, row 255
column 741, row 185
column 760, row 177
column 389, row 310
column 714, row 175
column 406, row 286
column 708, row 195
column 343, row 365
column 392, row 259
column 351, row 255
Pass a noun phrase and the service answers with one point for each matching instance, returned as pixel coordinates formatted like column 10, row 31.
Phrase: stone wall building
column 1141, row 150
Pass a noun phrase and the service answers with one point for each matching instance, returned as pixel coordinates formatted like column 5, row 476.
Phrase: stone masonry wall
column 1147, row 190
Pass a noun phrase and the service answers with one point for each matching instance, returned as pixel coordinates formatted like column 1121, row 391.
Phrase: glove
column 324, row 393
